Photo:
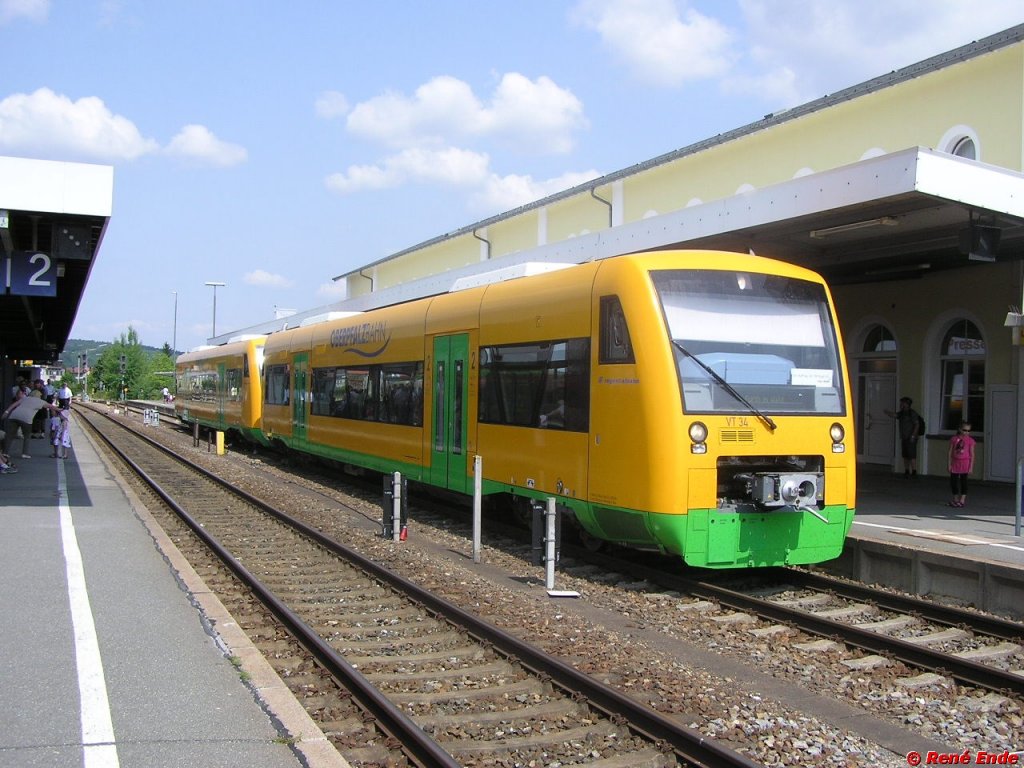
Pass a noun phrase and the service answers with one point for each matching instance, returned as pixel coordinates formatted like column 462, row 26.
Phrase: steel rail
column 421, row 748
column 688, row 744
column 963, row 670
column 940, row 614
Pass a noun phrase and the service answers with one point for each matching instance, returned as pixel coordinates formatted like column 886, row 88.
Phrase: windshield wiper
column 765, row 419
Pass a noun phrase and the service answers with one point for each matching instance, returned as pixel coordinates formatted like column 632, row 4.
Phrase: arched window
column 879, row 339
column 966, row 147
column 963, row 376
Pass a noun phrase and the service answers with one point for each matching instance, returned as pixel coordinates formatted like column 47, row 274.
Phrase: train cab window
column 615, row 344
column 747, row 342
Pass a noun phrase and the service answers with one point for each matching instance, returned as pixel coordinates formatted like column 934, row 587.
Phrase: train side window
column 400, row 403
column 233, row 384
column 615, row 343
column 323, row 392
column 276, row 385
column 544, row 385
column 390, row 393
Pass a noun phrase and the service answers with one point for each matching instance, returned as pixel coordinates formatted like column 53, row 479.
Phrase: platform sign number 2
column 30, row 273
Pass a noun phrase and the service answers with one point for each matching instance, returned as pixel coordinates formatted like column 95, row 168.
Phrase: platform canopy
column 53, row 216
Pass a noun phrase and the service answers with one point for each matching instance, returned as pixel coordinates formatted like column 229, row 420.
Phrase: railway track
column 441, row 686
column 971, row 648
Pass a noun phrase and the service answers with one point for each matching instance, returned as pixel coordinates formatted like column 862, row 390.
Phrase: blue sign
column 30, row 273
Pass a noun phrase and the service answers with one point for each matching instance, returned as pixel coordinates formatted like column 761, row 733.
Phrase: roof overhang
column 54, row 216
column 896, row 216
column 890, row 217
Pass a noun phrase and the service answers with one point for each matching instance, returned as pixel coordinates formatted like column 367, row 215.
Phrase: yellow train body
column 220, row 387
column 690, row 402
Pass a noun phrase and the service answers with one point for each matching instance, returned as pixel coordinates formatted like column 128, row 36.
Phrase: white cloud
column 776, row 86
column 841, row 43
column 197, row 142
column 331, row 104
column 659, row 43
column 263, row 278
column 336, row 290
column 45, row 124
column 33, row 10
column 48, row 125
column 431, row 130
column 780, row 52
column 534, row 115
column 449, row 166
column 504, row 193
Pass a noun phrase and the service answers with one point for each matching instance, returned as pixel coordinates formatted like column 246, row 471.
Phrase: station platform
column 906, row 536
column 107, row 661
column 116, row 654
column 915, row 510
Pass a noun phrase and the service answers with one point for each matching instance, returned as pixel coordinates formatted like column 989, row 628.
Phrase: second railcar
column 694, row 403
column 221, row 388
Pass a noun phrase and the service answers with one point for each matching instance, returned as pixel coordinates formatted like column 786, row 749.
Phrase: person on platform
column 64, row 395
column 909, row 423
column 62, row 438
column 18, row 417
column 961, row 462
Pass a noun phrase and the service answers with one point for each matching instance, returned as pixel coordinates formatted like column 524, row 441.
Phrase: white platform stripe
column 955, row 538
column 97, row 726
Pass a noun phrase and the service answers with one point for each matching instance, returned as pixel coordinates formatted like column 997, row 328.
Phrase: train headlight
column 838, row 434
column 698, row 436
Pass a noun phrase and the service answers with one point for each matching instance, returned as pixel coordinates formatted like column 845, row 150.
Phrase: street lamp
column 215, row 286
column 174, row 339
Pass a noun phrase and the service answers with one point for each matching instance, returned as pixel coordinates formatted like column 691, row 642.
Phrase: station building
column 905, row 192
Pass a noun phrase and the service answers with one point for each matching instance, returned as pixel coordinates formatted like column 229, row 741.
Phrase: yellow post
column 220, row 443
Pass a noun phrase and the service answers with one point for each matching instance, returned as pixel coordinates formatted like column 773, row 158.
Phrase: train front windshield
column 746, row 341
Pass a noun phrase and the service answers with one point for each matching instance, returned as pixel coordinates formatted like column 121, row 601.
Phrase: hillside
column 94, row 349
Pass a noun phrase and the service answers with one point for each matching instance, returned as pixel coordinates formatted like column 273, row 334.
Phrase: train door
column 300, row 394
column 448, row 465
column 222, row 391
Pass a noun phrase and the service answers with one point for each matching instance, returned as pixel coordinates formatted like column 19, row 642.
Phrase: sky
column 274, row 146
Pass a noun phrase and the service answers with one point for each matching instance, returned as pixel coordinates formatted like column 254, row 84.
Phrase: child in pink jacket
column 961, row 462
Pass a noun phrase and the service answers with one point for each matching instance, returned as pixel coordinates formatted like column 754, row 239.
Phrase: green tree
column 145, row 374
column 107, row 375
column 159, row 375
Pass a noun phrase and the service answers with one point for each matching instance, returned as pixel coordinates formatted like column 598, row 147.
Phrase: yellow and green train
column 221, row 387
column 690, row 402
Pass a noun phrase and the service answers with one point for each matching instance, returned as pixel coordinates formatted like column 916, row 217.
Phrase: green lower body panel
column 410, row 471
column 254, row 436
column 710, row 538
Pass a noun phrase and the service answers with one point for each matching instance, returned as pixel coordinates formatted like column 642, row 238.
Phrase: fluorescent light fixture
column 882, row 221
column 900, row 269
